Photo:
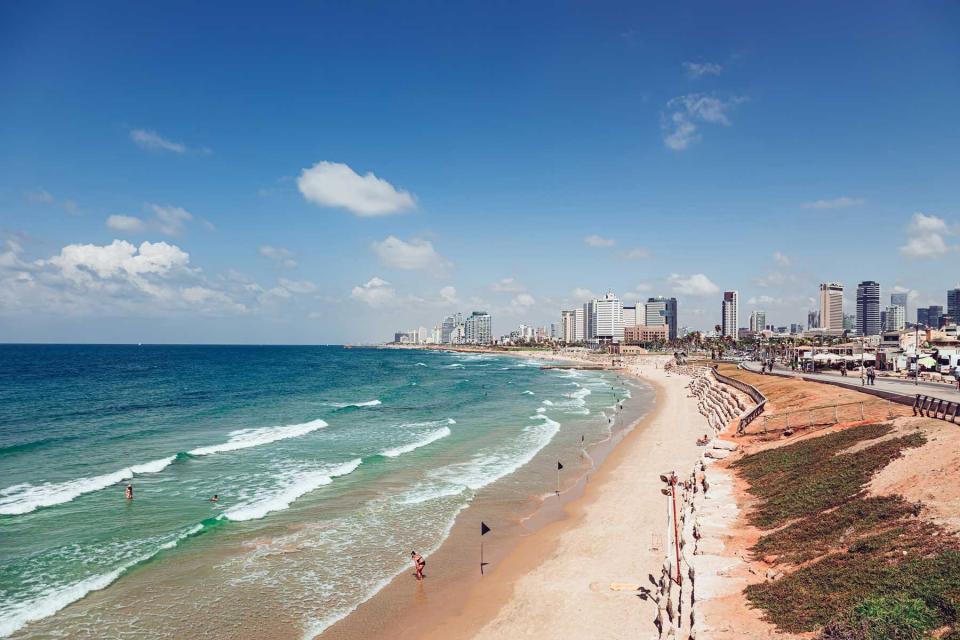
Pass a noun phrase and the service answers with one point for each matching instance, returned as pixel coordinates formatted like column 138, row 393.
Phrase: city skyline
column 527, row 163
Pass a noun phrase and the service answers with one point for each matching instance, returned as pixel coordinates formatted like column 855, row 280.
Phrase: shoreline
column 489, row 606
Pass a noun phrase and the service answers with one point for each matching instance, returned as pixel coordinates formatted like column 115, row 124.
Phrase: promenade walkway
column 890, row 385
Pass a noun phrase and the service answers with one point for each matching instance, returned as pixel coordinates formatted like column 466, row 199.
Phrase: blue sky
column 522, row 155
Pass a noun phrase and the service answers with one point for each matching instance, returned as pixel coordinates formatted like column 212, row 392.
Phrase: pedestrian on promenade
column 863, row 375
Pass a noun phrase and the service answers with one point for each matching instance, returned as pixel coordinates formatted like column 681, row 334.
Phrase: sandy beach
column 556, row 582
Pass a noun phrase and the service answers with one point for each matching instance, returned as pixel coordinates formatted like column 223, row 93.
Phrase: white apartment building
column 758, row 321
column 568, row 326
column 730, row 314
column 896, row 317
column 608, row 318
column 478, row 328
column 579, row 325
column 831, row 306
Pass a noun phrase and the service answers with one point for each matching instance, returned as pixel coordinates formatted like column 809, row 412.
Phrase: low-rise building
column 642, row 334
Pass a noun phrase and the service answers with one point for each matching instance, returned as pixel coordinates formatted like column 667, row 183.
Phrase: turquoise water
column 340, row 454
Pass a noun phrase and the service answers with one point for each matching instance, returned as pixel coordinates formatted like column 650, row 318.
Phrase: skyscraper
column 579, row 322
column 868, row 308
column 589, row 320
column 608, row 320
column 923, row 316
column 934, row 315
column 813, row 319
column 568, row 326
column 758, row 320
column 448, row 325
column 953, row 304
column 630, row 315
column 831, row 306
column 658, row 311
column 477, row 329
column 899, row 298
column 730, row 314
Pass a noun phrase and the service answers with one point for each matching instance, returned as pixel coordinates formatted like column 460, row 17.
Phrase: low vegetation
column 857, row 567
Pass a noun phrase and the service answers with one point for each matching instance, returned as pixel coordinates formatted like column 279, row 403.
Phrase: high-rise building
column 953, row 304
column 477, row 329
column 448, row 325
column 608, row 318
column 730, row 314
column 896, row 317
column 868, row 308
column 579, row 325
column 923, row 316
column 831, row 306
column 758, row 321
column 660, row 310
column 813, row 319
column 630, row 315
column 589, row 321
column 934, row 316
column 568, row 327
column 899, row 298
column 795, row 328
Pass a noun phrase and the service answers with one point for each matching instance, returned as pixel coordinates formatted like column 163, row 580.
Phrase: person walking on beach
column 419, row 563
column 129, row 492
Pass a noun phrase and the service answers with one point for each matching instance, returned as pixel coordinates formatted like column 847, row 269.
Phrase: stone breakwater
column 705, row 513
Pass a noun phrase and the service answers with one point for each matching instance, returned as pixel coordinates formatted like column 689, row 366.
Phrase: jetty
column 588, row 367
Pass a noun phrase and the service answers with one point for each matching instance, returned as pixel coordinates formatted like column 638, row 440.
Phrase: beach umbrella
column 927, row 362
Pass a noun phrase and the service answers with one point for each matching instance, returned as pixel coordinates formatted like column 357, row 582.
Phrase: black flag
column 559, row 465
column 484, row 529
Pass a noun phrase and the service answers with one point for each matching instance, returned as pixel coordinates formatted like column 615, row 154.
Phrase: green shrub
column 884, row 618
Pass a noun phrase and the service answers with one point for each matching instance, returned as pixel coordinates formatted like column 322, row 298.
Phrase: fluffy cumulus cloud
column 416, row 254
column 598, row 241
column 448, row 295
column 842, row 202
column 333, row 184
column 524, row 300
column 583, row 295
column 684, row 116
column 700, row 69
column 693, row 285
column 928, row 237
column 377, row 292
column 153, row 141
column 280, row 256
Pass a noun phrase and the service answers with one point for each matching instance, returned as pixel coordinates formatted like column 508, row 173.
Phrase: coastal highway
column 890, row 385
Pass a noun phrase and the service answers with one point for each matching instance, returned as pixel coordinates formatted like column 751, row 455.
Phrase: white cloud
column 927, row 237
column 700, row 69
column 772, row 279
column 524, row 300
column 297, row 286
column 836, row 203
column 333, row 184
column 687, row 113
column 764, row 300
column 694, row 285
column 637, row 253
column 126, row 224
column 153, row 141
column 448, row 295
column 90, row 264
column 282, row 257
column 170, row 220
column 507, row 285
column 598, row 241
column 781, row 259
column 376, row 293
column 416, row 254
column 583, row 294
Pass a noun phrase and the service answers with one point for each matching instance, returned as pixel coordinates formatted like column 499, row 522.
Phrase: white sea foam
column 56, row 598
column 344, row 405
column 421, row 364
column 277, row 500
column 407, row 448
column 548, row 403
column 25, row 497
column 245, row 438
column 455, row 365
column 528, row 393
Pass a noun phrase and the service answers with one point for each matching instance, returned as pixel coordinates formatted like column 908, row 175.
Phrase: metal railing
column 932, row 407
column 871, row 409
column 748, row 389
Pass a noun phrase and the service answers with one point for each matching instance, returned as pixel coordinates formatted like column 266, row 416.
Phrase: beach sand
column 556, row 582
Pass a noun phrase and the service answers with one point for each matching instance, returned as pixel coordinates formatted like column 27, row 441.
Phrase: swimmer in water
column 215, row 498
column 129, row 492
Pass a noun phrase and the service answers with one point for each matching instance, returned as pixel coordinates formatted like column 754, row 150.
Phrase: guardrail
column 748, row 389
column 932, row 407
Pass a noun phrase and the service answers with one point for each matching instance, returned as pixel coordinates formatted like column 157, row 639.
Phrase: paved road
column 891, row 385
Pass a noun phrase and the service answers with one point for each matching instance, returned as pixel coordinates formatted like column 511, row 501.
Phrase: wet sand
column 550, row 576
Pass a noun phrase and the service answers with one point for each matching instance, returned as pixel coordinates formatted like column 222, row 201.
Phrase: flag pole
column 481, row 556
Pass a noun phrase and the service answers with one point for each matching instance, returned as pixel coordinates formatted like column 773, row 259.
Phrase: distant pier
column 590, row 367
